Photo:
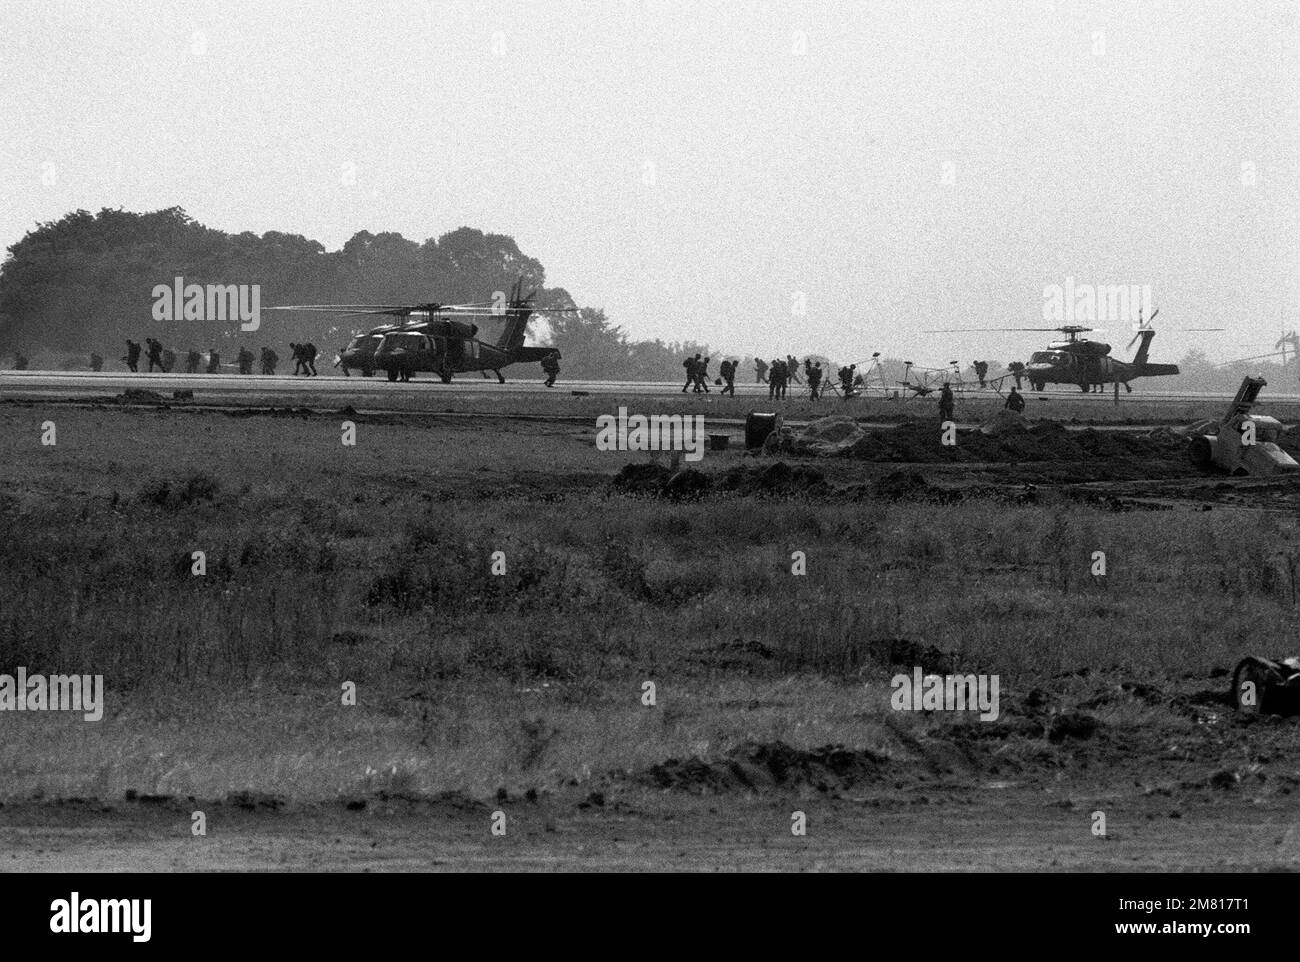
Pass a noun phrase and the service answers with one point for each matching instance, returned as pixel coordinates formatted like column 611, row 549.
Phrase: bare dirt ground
column 966, row 828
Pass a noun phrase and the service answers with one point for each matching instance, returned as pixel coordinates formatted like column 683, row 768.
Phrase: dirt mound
column 776, row 479
column 768, row 766
column 910, row 486
column 1005, row 422
column 657, row 480
column 779, row 480
column 1009, row 439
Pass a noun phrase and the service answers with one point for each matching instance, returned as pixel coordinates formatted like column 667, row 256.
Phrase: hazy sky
column 690, row 167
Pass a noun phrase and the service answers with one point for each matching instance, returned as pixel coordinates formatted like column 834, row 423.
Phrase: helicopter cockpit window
column 1044, row 357
column 409, row 342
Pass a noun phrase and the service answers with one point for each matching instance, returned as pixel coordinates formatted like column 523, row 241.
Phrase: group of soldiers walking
column 697, row 376
column 164, row 359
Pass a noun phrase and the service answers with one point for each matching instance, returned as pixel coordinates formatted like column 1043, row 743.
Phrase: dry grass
column 327, row 569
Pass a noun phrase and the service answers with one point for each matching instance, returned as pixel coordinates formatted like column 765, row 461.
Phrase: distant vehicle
column 439, row 338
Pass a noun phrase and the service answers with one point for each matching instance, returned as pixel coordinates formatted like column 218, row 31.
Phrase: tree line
column 85, row 283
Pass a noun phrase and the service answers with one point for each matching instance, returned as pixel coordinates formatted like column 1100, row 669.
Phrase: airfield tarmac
column 1183, row 781
column 285, row 388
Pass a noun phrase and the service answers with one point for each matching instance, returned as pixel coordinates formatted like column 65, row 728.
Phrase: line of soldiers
column 763, row 369
column 164, row 359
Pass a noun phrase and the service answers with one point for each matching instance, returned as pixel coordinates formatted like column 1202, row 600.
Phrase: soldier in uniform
column 776, row 379
column 551, row 366
column 814, row 381
column 168, row 360
column 690, row 364
column 945, row 402
column 792, row 369
column 1015, row 401
column 245, row 359
column 269, row 360
column 155, row 353
column 214, row 362
column 309, row 359
column 1017, row 369
column 702, row 376
column 760, row 371
column 846, row 380
column 132, row 355
column 192, row 361
column 728, row 371
column 981, row 372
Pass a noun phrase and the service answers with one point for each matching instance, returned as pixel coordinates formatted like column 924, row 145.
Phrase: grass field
column 372, row 565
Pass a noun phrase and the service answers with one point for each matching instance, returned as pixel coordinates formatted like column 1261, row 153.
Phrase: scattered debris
column 1242, row 443
column 1266, row 686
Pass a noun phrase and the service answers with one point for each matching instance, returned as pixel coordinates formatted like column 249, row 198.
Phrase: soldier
column 155, row 353
column 192, row 361
column 1015, row 401
column 792, row 369
column 309, row 358
column 690, row 364
column 981, row 371
column 702, row 376
column 1017, row 370
column 245, row 359
column 760, row 371
column 269, row 360
column 214, row 361
column 847, row 374
column 551, row 365
column 773, row 374
column 728, row 371
column 168, row 360
column 945, row 402
column 132, row 355
column 814, row 381
column 96, row 362
column 295, row 351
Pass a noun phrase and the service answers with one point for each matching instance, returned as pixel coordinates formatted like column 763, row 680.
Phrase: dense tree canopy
column 86, row 283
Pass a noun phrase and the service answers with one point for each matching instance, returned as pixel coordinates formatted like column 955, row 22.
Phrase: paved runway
column 288, row 388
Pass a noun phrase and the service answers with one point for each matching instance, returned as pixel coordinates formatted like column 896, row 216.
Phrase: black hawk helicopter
column 1087, row 363
column 441, row 339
